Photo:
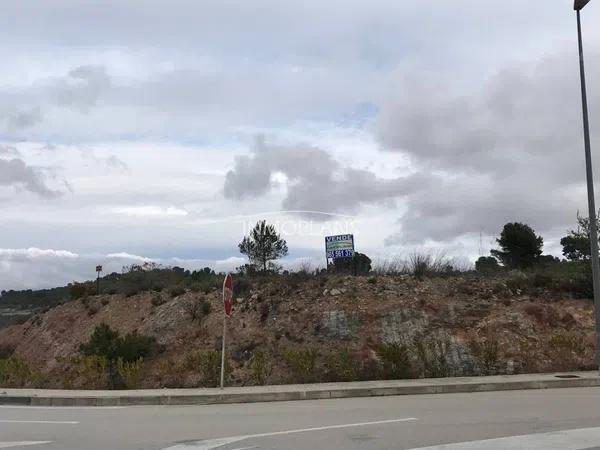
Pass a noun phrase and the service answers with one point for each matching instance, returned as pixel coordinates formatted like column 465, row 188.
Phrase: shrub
column 6, row 351
column 102, row 342
column 485, row 351
column 92, row 310
column 208, row 364
column 170, row 374
column 395, row 362
column 341, row 366
column 92, row 371
column 77, row 290
column 302, row 363
column 435, row 356
column 570, row 351
column 176, row 291
column 104, row 301
column 265, row 309
column 260, row 367
column 487, row 265
column 130, row 291
column 547, row 315
column 130, row 372
column 107, row 343
column 359, row 264
column 421, row 265
column 157, row 300
column 197, row 309
column 241, row 286
column 16, row 373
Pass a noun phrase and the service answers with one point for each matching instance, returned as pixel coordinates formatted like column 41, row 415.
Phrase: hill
column 302, row 328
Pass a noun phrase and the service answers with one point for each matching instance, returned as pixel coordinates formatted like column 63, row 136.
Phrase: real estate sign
column 340, row 246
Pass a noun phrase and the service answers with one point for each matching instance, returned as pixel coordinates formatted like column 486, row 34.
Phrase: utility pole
column 579, row 4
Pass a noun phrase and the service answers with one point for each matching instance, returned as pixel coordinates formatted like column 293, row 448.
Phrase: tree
column 263, row 245
column 520, row 246
column 360, row 264
column 486, row 264
column 576, row 245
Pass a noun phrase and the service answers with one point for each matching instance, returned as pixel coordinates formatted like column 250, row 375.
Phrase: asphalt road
column 541, row 419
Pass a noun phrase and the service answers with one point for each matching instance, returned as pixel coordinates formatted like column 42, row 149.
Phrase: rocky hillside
column 293, row 328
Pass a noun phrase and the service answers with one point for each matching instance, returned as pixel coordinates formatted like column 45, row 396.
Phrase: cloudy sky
column 164, row 129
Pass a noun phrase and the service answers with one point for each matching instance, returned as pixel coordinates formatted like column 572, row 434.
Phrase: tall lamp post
column 579, row 4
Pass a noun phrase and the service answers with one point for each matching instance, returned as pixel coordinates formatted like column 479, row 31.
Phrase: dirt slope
column 329, row 314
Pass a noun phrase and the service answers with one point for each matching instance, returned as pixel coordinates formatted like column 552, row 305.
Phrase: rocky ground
column 462, row 324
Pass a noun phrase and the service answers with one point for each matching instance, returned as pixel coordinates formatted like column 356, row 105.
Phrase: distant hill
column 17, row 305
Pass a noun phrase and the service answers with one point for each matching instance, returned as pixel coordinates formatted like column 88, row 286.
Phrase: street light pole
column 579, row 4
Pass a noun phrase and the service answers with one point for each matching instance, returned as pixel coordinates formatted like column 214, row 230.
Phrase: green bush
column 241, row 286
column 16, row 373
column 134, row 346
column 341, row 366
column 197, row 309
column 131, row 372
column 487, row 265
column 208, row 364
column 395, row 361
column 91, row 372
column 77, row 290
column 302, row 364
column 260, row 367
column 108, row 344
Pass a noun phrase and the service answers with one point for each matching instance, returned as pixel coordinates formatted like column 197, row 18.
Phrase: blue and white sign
column 340, row 246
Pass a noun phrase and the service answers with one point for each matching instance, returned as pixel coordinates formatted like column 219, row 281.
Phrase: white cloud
column 149, row 211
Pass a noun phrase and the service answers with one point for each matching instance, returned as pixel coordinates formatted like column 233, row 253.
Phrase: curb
column 295, row 392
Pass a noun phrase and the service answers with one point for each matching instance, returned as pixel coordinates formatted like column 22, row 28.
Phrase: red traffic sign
column 228, row 294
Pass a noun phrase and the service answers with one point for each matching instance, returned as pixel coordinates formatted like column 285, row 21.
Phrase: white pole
column 223, row 352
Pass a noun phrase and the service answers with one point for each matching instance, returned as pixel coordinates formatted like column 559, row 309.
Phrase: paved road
column 550, row 419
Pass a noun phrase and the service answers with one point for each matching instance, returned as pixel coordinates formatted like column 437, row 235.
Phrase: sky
column 164, row 130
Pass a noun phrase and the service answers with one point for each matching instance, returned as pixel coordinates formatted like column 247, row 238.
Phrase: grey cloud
column 79, row 90
column 8, row 150
column 510, row 151
column 15, row 172
column 315, row 181
column 24, row 118
column 82, row 87
column 179, row 71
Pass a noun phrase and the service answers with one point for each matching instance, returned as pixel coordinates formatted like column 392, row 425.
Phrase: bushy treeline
column 138, row 278
column 28, row 299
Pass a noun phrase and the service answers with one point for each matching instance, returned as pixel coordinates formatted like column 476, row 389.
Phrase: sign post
column 227, row 304
column 98, row 270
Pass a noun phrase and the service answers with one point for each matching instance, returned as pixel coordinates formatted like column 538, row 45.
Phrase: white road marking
column 214, row 443
column 578, row 439
column 207, row 444
column 53, row 422
column 69, row 408
column 245, row 448
column 22, row 443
